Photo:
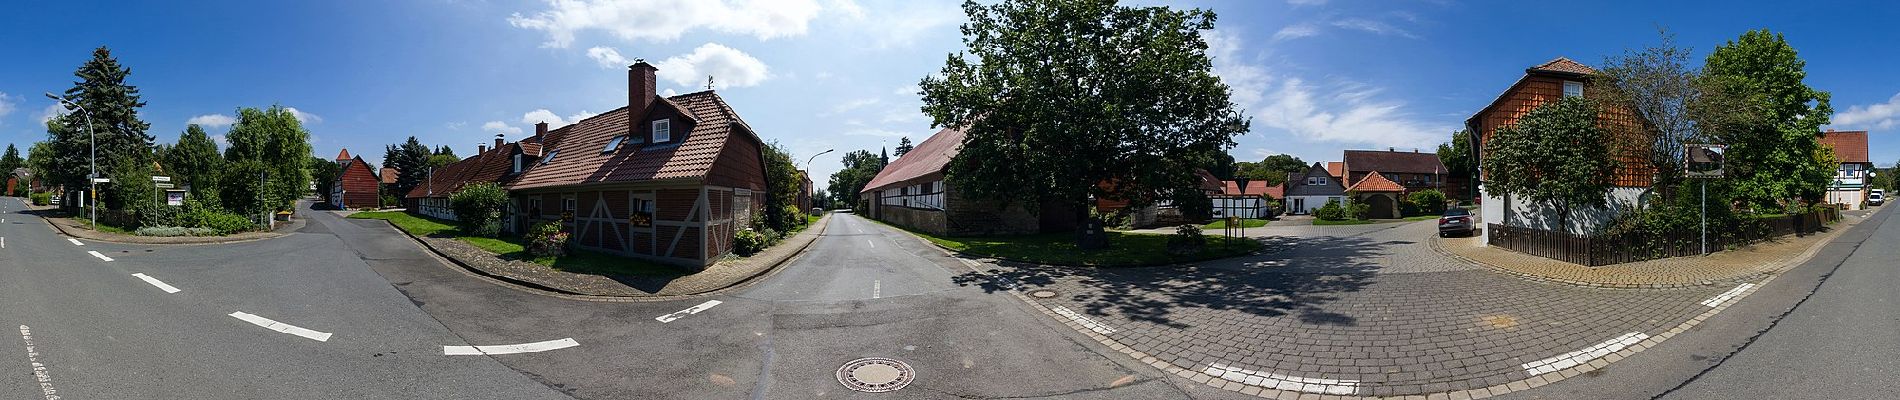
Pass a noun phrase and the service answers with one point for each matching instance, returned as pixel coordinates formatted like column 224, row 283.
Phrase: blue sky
column 1317, row 76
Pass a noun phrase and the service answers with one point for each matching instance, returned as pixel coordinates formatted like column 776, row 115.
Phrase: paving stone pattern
column 1374, row 313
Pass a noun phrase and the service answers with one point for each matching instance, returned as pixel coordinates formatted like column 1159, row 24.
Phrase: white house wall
column 1583, row 220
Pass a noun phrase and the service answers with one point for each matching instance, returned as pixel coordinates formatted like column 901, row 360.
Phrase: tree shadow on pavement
column 1299, row 283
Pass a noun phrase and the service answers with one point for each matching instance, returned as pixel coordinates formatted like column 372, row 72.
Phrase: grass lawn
column 1317, row 221
column 1124, row 249
column 1421, row 217
column 515, row 248
column 102, row 227
column 1244, row 223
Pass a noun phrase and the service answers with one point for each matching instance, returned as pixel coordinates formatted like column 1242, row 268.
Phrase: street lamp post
column 814, row 157
column 92, row 195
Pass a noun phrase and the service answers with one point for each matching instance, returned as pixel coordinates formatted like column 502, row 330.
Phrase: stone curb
column 1537, row 381
column 1437, row 246
column 537, row 288
column 181, row 240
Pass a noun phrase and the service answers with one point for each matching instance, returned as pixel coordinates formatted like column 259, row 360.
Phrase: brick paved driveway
column 1368, row 312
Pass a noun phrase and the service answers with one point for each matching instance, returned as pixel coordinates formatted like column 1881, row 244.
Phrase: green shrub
column 1186, row 240
column 159, row 216
column 162, row 231
column 478, row 208
column 1357, row 210
column 1429, row 201
column 198, row 214
column 42, row 198
column 1332, row 211
column 545, row 239
column 748, row 242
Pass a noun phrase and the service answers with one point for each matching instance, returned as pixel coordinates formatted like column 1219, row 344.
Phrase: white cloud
column 849, row 105
column 212, row 120
column 455, row 126
column 8, row 103
column 1377, row 27
column 729, row 68
column 906, row 90
column 669, row 92
column 304, row 117
column 553, row 120
column 1348, row 113
column 500, row 127
column 902, row 24
column 607, row 57
column 666, row 20
column 1296, row 31
column 47, row 114
column 222, row 141
column 1871, row 116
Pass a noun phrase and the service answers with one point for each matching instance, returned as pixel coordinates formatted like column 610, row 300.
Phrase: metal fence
column 1632, row 247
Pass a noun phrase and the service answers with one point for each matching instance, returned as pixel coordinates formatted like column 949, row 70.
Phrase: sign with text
column 175, row 197
column 1704, row 161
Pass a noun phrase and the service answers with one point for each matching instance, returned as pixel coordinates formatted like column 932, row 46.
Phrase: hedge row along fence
column 1603, row 250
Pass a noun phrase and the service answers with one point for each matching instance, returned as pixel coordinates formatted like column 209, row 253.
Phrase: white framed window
column 613, row 143
column 567, row 204
column 517, row 163
column 1315, row 180
column 1573, row 89
column 662, row 131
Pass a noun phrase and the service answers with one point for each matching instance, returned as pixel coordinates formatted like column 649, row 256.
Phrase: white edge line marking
column 75, row 242
column 95, row 253
column 267, row 323
column 877, row 287
column 689, row 311
column 1579, row 357
column 1098, row 327
column 1342, row 387
column 155, row 282
column 869, row 243
column 509, row 348
column 1728, row 295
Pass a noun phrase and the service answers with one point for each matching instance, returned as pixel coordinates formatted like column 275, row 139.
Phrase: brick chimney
column 498, row 140
column 481, row 148
column 640, row 85
column 541, row 128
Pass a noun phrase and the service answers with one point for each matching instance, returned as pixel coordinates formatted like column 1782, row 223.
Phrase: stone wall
column 926, row 221
column 972, row 217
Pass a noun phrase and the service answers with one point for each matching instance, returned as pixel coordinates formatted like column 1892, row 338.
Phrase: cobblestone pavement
column 1373, row 312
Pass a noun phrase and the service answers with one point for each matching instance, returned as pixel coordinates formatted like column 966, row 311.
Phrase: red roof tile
column 1254, row 187
column 489, row 166
column 389, row 175
column 1336, row 168
column 928, row 157
column 1375, row 182
column 1405, row 162
column 1849, row 146
column 577, row 156
column 1563, row 65
column 343, row 155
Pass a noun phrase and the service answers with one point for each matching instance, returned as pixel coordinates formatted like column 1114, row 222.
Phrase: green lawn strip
column 1244, row 223
column 1421, row 217
column 102, row 227
column 1317, row 221
column 1124, row 249
column 515, row 248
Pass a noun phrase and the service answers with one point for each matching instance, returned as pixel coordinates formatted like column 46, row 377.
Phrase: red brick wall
column 739, row 165
column 359, row 185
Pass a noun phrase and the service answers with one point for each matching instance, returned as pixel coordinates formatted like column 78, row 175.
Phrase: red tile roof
column 1375, row 182
column 344, row 155
column 1336, row 168
column 928, row 157
column 578, row 159
column 1563, row 65
column 1404, row 162
column 389, row 175
column 1254, row 187
column 489, row 166
column 1849, row 146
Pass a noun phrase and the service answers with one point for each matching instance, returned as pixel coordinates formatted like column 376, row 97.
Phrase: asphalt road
column 1828, row 329
column 98, row 331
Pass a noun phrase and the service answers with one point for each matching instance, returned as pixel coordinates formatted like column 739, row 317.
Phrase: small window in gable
column 613, row 144
column 1573, row 89
column 662, row 131
column 517, row 163
column 550, row 157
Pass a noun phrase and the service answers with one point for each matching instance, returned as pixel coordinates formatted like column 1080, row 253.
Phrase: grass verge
column 515, row 248
column 1244, row 223
column 1124, row 249
column 1317, row 221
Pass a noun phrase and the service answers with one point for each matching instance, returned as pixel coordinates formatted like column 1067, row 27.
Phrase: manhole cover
column 875, row 375
column 1043, row 294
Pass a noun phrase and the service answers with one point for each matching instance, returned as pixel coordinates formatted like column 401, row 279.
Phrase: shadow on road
column 1269, row 285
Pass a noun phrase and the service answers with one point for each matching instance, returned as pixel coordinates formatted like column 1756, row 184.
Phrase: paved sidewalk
column 1376, row 313
column 721, row 275
column 1727, row 267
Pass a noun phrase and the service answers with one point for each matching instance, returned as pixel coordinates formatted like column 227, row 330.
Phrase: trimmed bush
column 42, row 198
column 158, row 216
column 172, row 231
column 1428, row 201
column 1186, row 240
column 1358, row 211
column 478, row 208
column 749, row 242
column 1332, row 211
column 546, row 239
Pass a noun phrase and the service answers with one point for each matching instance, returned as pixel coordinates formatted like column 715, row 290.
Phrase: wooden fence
column 1632, row 247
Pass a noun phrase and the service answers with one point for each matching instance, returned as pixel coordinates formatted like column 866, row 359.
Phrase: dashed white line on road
column 509, row 348
column 1728, row 295
column 155, row 282
column 75, row 242
column 41, row 373
column 1579, row 357
column 1086, row 322
column 869, row 243
column 877, row 288
column 1342, row 387
column 95, row 253
column 689, row 311
column 267, row 323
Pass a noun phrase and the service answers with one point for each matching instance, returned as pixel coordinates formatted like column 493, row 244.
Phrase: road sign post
column 1704, row 162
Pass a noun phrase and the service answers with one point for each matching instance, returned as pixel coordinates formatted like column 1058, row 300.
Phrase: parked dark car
column 1456, row 221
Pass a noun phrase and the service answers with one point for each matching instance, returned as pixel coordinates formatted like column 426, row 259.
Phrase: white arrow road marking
column 509, row 348
column 75, row 242
column 267, row 323
column 1579, row 357
column 1728, row 295
column 156, row 282
column 689, row 311
column 101, row 256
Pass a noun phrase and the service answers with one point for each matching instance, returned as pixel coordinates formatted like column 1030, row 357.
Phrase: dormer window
column 613, row 143
column 1573, row 89
column 662, row 131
